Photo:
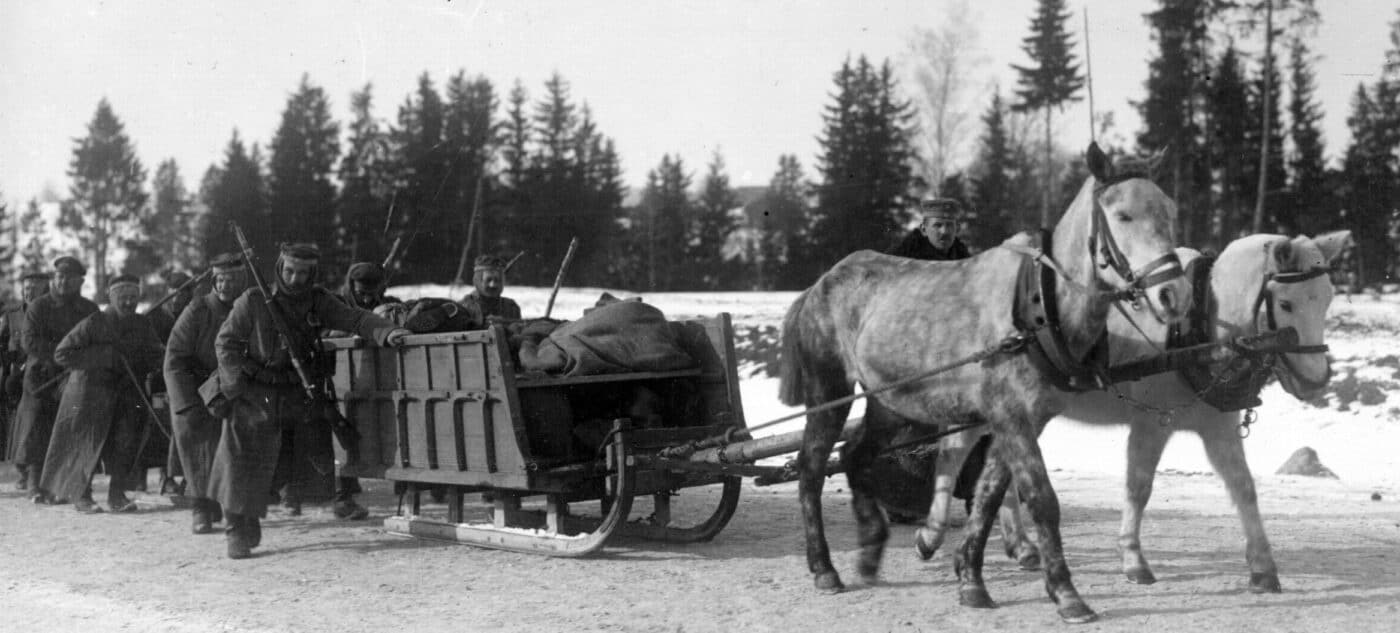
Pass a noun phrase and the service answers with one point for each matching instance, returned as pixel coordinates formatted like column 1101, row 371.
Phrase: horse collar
column 1036, row 312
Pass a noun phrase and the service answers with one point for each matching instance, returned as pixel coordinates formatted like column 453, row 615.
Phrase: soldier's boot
column 119, row 502
column 254, row 526
column 350, row 510
column 216, row 511
column 23, row 483
column 203, row 522
column 235, row 533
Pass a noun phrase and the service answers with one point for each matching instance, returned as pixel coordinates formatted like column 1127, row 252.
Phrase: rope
column 1010, row 344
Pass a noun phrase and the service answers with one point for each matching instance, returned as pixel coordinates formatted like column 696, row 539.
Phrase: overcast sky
column 747, row 77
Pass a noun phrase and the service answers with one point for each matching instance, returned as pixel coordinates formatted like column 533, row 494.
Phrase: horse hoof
column 1264, row 583
column 924, row 545
column 1140, row 576
column 829, row 583
column 1078, row 614
column 1029, row 562
column 976, row 597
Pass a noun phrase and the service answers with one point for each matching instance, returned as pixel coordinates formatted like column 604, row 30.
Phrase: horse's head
column 1130, row 228
column 1271, row 282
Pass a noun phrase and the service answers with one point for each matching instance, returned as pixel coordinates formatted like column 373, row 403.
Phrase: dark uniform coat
column 915, row 245
column 101, row 413
column 256, row 376
column 476, row 304
column 11, row 372
column 46, row 321
column 162, row 321
column 189, row 361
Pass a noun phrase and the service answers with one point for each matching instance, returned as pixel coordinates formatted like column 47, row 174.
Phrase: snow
column 1355, row 437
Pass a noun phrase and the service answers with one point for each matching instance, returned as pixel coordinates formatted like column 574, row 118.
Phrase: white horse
column 1259, row 284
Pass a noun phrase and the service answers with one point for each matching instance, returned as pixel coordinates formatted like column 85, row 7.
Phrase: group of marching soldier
column 244, row 427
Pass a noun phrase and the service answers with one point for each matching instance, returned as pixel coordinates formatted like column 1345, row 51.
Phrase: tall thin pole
column 1258, row 224
column 1089, row 76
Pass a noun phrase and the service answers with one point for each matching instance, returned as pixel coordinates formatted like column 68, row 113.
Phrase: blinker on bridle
column 1265, row 300
column 1101, row 244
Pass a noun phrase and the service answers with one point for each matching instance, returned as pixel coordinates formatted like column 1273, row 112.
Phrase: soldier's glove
column 14, row 385
column 396, row 337
column 220, row 407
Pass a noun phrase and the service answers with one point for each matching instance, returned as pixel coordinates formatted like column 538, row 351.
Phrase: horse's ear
column 1097, row 162
column 1283, row 255
column 1332, row 243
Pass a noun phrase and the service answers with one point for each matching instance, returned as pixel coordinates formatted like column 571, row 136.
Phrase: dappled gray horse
column 1258, row 284
column 876, row 320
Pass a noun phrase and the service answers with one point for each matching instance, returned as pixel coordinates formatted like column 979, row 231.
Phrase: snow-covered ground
column 1356, row 433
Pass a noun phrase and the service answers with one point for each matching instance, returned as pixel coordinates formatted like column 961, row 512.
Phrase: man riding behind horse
column 936, row 238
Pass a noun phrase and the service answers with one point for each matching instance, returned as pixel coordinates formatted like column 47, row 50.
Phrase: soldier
column 163, row 318
column 102, row 412
column 257, row 391
column 937, row 236
column 485, row 301
column 46, row 321
column 363, row 289
column 32, row 286
column 189, row 361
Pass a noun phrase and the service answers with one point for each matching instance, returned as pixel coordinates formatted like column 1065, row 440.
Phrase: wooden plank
column 526, row 382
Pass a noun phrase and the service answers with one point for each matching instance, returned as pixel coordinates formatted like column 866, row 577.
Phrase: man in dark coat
column 363, row 289
column 485, row 301
column 189, row 361
column 257, row 391
column 163, row 318
column 32, row 286
column 102, row 413
column 937, row 236
column 46, row 321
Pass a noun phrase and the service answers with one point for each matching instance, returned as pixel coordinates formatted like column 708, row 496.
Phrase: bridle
column 1265, row 301
column 1103, row 247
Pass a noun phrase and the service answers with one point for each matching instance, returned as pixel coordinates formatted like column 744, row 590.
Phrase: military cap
column 69, row 265
column 123, row 280
column 368, row 272
column 946, row 207
column 42, row 276
column 301, row 250
column 489, row 262
column 175, row 278
column 226, row 262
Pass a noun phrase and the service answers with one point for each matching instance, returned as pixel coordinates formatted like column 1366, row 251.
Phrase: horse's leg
column 968, row 560
column 1146, row 439
column 821, row 433
column 1017, row 446
column 1226, row 453
column 1016, row 534
column 951, row 456
column 872, row 531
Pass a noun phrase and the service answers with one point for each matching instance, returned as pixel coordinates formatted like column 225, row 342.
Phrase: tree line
column 462, row 169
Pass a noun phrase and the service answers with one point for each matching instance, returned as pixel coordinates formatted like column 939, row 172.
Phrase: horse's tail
column 791, row 384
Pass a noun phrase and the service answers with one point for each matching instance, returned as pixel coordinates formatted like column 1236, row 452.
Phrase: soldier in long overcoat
column 46, row 321
column 102, row 413
column 489, row 281
column 32, row 286
column 257, row 391
column 189, row 361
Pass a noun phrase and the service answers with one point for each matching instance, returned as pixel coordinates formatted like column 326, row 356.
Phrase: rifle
column 322, row 401
column 559, row 279
column 182, row 287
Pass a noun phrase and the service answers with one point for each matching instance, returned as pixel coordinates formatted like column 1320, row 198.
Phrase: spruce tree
column 1229, row 149
column 783, row 229
column 366, row 183
column 301, row 191
column 470, row 135
column 667, row 214
column 1174, row 109
column 423, row 171
column 1053, row 81
column 1309, row 211
column 167, row 229
column 33, row 229
column 107, row 194
column 992, row 186
column 865, row 163
column 236, row 192
column 713, row 225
